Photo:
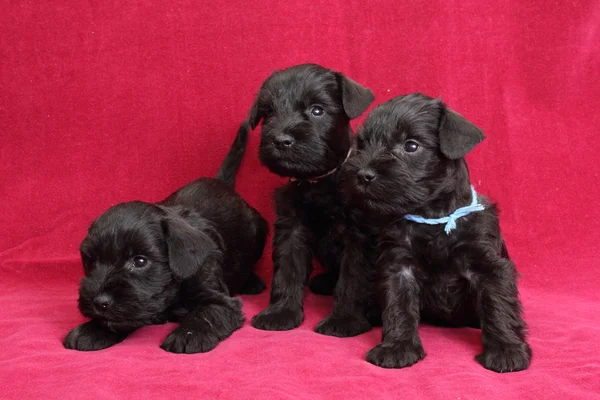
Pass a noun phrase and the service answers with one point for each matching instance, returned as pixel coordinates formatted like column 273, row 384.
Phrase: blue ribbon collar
column 450, row 220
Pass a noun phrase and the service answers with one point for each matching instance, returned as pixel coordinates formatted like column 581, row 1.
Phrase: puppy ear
column 189, row 248
column 355, row 97
column 458, row 136
column 255, row 115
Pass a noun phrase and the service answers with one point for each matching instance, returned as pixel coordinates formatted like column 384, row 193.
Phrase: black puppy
column 179, row 260
column 306, row 135
column 442, row 259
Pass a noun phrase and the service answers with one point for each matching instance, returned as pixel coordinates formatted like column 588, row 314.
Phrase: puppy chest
column 318, row 208
column 440, row 257
column 446, row 281
column 433, row 251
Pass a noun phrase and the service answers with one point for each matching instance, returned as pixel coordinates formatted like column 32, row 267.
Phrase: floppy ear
column 458, row 136
column 255, row 115
column 189, row 248
column 355, row 98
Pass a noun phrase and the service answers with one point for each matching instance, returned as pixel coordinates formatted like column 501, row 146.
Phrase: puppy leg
column 329, row 253
column 214, row 318
column 503, row 329
column 324, row 284
column 351, row 293
column 292, row 263
column 92, row 336
column 401, row 345
column 254, row 285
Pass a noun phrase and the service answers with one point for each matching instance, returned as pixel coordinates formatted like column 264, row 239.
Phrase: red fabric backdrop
column 108, row 101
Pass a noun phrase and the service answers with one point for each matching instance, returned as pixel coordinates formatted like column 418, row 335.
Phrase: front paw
column 342, row 326
column 506, row 358
column 188, row 341
column 91, row 336
column 278, row 319
column 395, row 355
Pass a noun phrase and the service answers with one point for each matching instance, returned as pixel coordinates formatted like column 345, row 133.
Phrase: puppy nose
column 283, row 140
column 367, row 174
column 102, row 301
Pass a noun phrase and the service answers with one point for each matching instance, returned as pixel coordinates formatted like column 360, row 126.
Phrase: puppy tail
column 232, row 161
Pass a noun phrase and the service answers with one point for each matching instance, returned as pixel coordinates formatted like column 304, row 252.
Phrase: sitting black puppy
column 179, row 260
column 306, row 135
column 441, row 255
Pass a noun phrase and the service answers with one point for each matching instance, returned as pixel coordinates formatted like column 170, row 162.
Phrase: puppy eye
column 317, row 111
column 140, row 261
column 410, row 146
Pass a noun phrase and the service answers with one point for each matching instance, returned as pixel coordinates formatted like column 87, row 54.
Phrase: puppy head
column 134, row 257
column 305, row 111
column 409, row 153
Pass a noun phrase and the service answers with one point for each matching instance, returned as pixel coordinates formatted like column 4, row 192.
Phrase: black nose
column 283, row 140
column 102, row 301
column 366, row 174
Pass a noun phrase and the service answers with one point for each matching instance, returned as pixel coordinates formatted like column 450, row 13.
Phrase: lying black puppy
column 442, row 259
column 179, row 260
column 306, row 135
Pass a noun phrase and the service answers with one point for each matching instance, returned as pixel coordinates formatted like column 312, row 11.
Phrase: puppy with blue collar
column 440, row 255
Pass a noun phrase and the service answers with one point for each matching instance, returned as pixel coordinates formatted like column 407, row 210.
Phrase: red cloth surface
column 107, row 101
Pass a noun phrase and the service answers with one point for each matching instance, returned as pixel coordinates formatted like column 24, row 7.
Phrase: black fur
column 305, row 112
column 199, row 246
column 355, row 309
column 464, row 278
column 234, row 158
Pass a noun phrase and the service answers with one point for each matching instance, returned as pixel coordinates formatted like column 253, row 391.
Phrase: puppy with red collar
column 306, row 136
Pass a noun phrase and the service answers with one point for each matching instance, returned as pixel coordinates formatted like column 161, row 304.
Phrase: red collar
column 316, row 178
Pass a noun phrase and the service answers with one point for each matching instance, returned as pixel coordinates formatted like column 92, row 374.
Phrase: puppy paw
column 278, row 319
column 323, row 284
column 186, row 341
column 342, row 326
column 91, row 337
column 395, row 355
column 505, row 358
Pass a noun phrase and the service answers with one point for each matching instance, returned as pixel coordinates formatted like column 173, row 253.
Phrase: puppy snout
column 283, row 140
column 367, row 174
column 102, row 301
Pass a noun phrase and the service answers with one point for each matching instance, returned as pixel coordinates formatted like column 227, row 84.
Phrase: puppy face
column 134, row 257
column 305, row 111
column 409, row 151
